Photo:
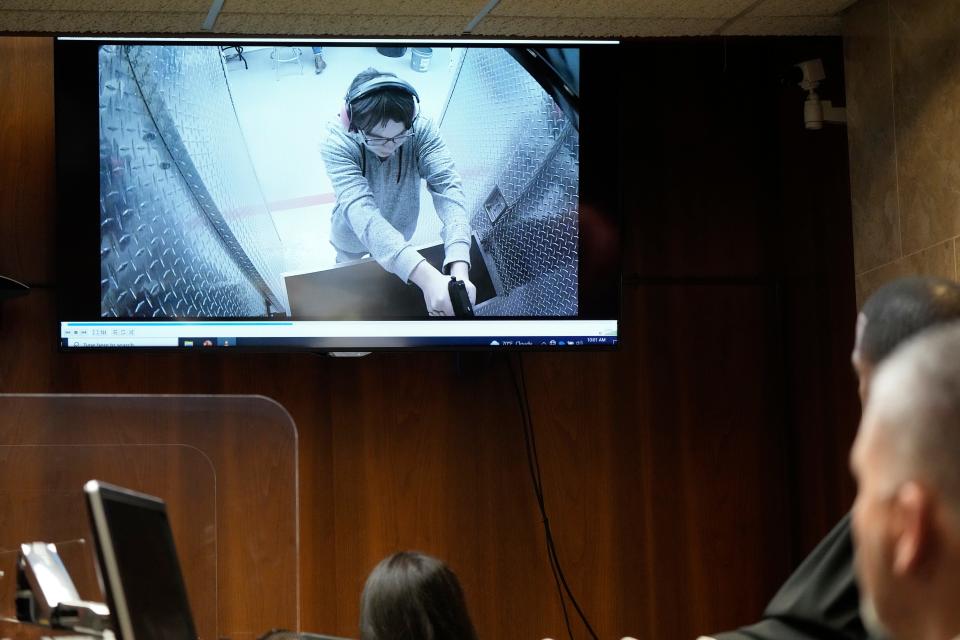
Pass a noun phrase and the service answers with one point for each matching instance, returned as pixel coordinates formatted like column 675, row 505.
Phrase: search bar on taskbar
column 122, row 342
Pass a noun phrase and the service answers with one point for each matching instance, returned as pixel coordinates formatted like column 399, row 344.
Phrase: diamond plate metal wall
column 184, row 231
column 506, row 132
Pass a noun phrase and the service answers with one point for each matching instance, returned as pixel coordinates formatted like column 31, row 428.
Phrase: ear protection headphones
column 370, row 86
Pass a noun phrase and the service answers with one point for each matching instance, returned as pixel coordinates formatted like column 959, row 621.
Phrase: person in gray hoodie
column 376, row 156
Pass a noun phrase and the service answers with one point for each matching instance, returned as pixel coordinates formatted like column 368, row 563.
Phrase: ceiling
column 537, row 18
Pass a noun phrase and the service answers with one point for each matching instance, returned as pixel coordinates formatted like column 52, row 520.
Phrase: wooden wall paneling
column 818, row 303
column 434, row 461
column 822, row 411
column 27, row 178
column 700, row 385
column 28, row 345
column 698, row 135
column 671, row 466
column 740, row 191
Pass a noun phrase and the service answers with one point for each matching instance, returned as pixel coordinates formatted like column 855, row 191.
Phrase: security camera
column 813, row 73
column 815, row 110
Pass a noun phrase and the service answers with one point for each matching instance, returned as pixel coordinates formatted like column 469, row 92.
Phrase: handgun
column 459, row 298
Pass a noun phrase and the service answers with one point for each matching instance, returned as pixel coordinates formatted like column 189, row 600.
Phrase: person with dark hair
column 821, row 601
column 898, row 311
column 376, row 156
column 412, row 596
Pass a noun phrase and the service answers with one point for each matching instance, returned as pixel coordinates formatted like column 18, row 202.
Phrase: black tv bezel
column 599, row 155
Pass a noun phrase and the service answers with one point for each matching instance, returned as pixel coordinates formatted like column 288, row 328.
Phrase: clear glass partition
column 225, row 465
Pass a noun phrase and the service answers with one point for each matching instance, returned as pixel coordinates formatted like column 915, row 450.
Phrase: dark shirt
column 820, row 601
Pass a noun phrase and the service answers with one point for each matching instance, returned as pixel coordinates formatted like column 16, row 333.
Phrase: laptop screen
column 138, row 564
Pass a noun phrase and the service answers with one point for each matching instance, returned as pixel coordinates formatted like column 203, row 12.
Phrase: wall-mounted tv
column 337, row 195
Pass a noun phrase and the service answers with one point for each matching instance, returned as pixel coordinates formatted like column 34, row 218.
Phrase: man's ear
column 914, row 507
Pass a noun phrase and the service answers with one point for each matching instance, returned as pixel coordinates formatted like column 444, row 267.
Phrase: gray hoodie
column 378, row 201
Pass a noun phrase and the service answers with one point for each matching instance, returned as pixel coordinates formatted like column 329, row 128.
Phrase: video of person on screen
column 335, row 183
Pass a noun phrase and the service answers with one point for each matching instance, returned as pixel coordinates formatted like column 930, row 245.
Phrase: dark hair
column 904, row 307
column 412, row 596
column 389, row 103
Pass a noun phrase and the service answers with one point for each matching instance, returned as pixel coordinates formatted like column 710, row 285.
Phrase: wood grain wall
column 685, row 474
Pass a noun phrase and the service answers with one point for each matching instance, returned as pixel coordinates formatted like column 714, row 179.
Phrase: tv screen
column 337, row 195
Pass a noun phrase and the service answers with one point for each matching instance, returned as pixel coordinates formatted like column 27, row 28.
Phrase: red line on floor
column 301, row 202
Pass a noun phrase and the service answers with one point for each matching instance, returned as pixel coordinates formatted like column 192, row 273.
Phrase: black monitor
column 137, row 563
column 231, row 194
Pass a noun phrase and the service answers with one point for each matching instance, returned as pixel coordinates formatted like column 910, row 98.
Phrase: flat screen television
column 337, row 195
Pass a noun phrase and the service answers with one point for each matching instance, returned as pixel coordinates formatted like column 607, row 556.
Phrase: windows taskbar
column 329, row 344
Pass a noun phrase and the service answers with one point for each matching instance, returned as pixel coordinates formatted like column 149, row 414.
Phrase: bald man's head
column 906, row 518
column 914, row 407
